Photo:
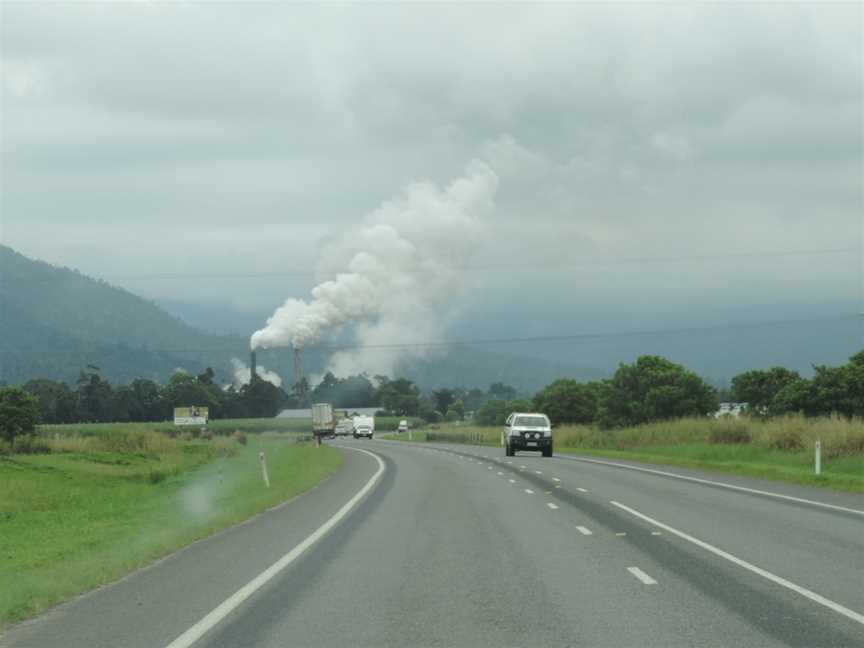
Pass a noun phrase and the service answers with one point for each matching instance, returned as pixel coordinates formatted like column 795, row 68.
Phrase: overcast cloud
column 240, row 138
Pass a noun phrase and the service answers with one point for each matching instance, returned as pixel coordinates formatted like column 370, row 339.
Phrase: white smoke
column 394, row 278
column 243, row 374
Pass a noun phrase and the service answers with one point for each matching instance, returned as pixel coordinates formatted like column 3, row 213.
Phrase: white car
column 403, row 426
column 345, row 427
column 528, row 431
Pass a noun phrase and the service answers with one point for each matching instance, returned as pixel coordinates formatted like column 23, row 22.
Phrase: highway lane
column 467, row 550
column 454, row 546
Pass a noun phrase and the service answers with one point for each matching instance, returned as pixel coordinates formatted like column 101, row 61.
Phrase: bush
column 19, row 413
column 730, row 430
column 206, row 434
column 240, row 437
column 785, row 439
column 30, row 444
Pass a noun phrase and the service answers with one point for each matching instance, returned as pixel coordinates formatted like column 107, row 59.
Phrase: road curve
column 454, row 546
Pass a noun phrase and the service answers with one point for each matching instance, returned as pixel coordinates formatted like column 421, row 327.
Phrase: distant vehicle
column 528, row 431
column 364, row 426
column 403, row 426
column 323, row 423
column 345, row 427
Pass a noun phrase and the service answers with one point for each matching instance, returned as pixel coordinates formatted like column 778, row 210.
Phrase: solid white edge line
column 642, row 576
column 716, row 483
column 198, row 630
column 803, row 591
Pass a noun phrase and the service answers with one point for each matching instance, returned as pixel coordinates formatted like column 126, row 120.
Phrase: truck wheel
column 547, row 452
column 355, row 435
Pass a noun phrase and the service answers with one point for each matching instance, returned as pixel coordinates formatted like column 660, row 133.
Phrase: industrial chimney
column 298, row 368
column 253, row 367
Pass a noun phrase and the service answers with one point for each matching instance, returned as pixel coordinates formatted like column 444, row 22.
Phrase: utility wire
column 574, row 337
column 587, row 261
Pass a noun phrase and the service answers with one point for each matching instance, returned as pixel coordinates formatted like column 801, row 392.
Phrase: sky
column 651, row 159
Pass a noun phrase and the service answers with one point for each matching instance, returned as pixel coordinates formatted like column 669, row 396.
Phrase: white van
column 364, row 426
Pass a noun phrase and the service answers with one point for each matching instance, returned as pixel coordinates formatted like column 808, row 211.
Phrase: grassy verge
column 780, row 449
column 90, row 512
column 217, row 426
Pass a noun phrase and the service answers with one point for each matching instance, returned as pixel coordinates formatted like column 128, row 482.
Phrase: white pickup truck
column 364, row 426
column 528, row 431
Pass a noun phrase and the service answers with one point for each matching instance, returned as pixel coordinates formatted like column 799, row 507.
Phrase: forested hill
column 54, row 321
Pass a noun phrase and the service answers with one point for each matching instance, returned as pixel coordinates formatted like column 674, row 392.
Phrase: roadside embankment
column 81, row 511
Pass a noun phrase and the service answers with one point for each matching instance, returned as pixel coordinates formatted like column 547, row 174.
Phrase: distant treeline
column 655, row 389
column 651, row 389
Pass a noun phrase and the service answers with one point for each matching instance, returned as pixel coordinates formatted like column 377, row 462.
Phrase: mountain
column 55, row 321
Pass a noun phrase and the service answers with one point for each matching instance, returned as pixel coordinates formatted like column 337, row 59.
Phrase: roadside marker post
column 264, row 468
column 818, row 457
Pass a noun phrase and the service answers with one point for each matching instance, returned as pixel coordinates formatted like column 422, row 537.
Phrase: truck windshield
column 531, row 421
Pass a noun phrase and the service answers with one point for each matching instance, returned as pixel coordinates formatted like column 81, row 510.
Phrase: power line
column 587, row 261
column 568, row 337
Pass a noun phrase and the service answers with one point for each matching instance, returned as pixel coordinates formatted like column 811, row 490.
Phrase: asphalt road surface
column 432, row 545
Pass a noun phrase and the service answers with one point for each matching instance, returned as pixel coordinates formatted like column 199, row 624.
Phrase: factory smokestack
column 253, row 367
column 298, row 369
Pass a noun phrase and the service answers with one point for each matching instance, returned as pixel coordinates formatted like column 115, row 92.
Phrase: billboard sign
column 191, row 415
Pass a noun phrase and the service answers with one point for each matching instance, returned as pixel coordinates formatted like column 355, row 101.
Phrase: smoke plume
column 394, row 278
column 243, row 374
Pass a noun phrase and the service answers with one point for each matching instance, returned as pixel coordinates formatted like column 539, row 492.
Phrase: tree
column 474, row 399
column 759, row 387
column 569, row 401
column 399, row 396
column 798, row 396
column 262, row 399
column 501, row 391
column 840, row 390
column 184, row 390
column 94, row 397
column 495, row 412
column 19, row 413
column 57, row 403
column 150, row 406
column 456, row 411
column 653, row 389
column 443, row 399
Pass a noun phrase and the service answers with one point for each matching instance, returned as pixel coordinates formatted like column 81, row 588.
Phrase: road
column 461, row 546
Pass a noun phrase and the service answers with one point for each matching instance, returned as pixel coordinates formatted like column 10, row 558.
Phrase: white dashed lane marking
column 512, row 481
column 551, row 505
column 529, row 491
column 583, row 530
column 642, row 576
column 582, row 490
column 556, row 479
column 538, row 472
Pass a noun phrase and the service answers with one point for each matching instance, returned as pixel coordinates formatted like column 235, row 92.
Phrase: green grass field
column 102, row 505
column 779, row 449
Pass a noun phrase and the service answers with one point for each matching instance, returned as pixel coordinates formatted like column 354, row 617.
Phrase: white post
column 264, row 469
column 818, row 457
